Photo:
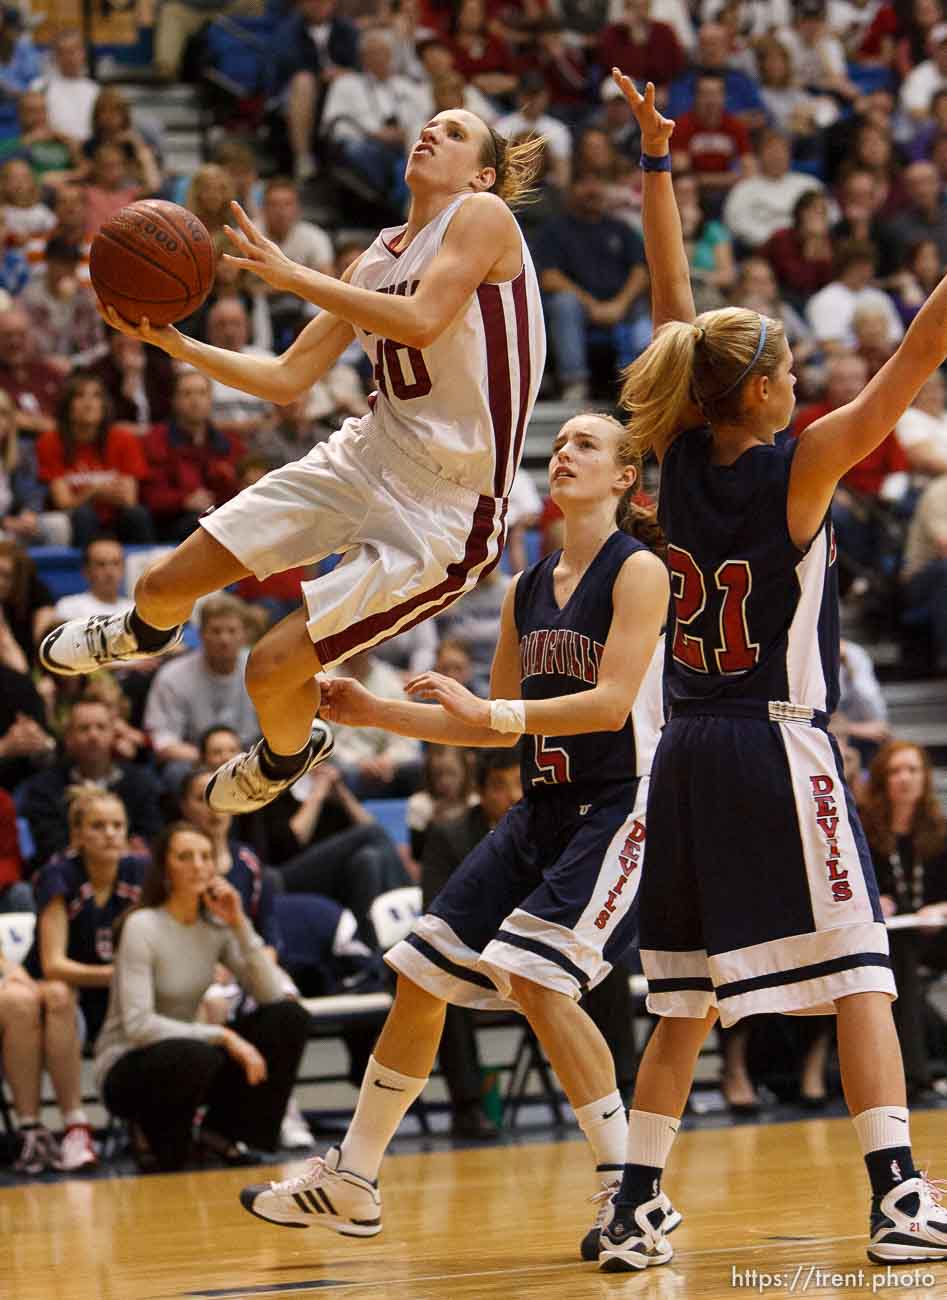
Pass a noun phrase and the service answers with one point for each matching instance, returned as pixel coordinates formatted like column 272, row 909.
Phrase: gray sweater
column 162, row 970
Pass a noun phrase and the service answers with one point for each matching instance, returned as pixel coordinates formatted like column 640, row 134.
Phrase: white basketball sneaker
column 909, row 1225
column 241, row 785
column 322, row 1196
column 591, row 1242
column 634, row 1239
column 83, row 645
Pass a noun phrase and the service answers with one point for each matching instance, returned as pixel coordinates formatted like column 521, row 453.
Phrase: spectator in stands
column 741, row 95
column 922, row 429
column 924, row 574
column 155, row 1064
column 318, row 835
column 479, row 55
column 757, row 288
column 16, row 894
column 70, row 92
column 862, row 714
column 112, row 124
column 616, row 119
column 139, row 381
column 757, row 206
column 177, row 21
column 924, row 216
column 367, row 117
column 209, row 197
column 25, row 744
column 927, row 77
column 801, row 253
column 93, row 469
column 712, row 143
column 915, row 280
column 103, row 569
column 532, row 118
column 708, row 244
column 872, row 329
column 62, row 312
column 28, row 221
column 818, row 56
column 874, row 150
column 447, row 790
column 69, row 211
column 88, row 759
column 475, row 620
column 52, row 156
column 311, row 47
column 790, row 106
column 23, row 517
column 907, row 836
column 239, row 161
column 228, row 327
column 191, row 462
column 593, row 272
column 21, row 64
column 643, row 48
column 294, row 429
column 831, row 311
column 376, row 764
column 26, row 603
column 524, row 507
column 302, row 242
column 202, row 688
column 108, row 189
column 37, row 1031
column 860, row 198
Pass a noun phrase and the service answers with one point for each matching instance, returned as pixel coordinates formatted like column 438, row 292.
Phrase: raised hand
column 452, row 697
column 655, row 129
column 257, row 253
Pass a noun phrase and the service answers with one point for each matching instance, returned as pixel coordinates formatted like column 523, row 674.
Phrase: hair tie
column 701, row 333
column 761, row 343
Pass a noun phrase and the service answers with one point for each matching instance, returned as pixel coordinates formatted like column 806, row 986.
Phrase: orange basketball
column 152, row 259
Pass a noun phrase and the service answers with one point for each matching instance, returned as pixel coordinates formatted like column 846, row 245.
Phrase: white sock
column 881, row 1127
column 606, row 1128
column 70, row 1118
column 383, row 1101
column 650, row 1138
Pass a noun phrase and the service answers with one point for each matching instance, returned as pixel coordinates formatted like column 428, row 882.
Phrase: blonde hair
column 517, row 165
column 707, row 363
column 81, row 798
column 10, row 453
column 214, row 218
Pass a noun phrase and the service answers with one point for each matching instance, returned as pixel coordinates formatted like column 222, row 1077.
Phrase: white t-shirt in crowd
column 83, row 604
column 760, row 205
column 831, row 312
column 69, row 104
column 556, row 135
column 915, row 428
column 919, row 87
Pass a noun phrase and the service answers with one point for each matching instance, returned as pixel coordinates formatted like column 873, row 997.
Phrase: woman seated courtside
column 155, row 1064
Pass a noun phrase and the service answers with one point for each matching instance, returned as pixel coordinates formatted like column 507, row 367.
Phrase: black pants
column 352, row 867
column 161, row 1086
column 131, row 524
column 909, row 1010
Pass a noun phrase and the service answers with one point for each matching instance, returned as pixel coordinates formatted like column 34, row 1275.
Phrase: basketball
column 154, row 259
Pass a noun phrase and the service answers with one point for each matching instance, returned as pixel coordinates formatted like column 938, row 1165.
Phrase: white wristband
column 508, row 715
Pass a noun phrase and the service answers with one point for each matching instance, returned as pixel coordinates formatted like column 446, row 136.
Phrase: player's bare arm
column 482, row 243
column 832, row 445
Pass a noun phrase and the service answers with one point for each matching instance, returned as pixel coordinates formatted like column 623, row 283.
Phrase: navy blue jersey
column 90, row 925
column 753, row 617
column 560, row 653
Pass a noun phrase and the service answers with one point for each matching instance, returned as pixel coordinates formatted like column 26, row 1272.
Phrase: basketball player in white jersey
column 447, row 307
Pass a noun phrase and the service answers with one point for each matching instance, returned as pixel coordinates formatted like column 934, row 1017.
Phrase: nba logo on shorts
column 827, row 820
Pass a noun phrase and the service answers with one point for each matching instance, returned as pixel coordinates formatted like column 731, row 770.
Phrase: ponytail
column 657, row 386
column 517, row 164
column 641, row 522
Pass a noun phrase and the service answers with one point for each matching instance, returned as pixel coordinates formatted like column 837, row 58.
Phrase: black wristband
column 655, row 162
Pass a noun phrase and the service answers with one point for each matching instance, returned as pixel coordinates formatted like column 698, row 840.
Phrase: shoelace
column 603, row 1198
column 251, row 783
column 96, row 638
column 311, row 1173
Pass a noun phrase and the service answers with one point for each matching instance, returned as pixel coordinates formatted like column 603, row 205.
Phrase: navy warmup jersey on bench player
column 549, row 894
column 760, row 893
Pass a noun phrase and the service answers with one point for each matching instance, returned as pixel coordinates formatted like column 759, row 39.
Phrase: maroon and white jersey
column 461, row 406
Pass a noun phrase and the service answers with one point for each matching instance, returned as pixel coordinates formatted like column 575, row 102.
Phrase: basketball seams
column 148, row 257
column 185, row 238
column 110, row 236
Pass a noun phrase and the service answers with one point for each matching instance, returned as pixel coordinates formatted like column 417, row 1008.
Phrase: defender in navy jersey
column 539, row 910
column 762, row 896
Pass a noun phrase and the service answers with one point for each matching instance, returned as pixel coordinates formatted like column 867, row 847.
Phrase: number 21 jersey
column 752, row 616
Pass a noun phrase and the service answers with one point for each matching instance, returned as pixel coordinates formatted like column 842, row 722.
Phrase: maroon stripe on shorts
column 368, row 631
column 499, row 392
column 521, row 310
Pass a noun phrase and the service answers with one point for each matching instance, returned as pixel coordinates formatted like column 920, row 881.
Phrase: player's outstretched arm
column 829, row 447
column 671, row 294
column 482, row 243
column 275, row 379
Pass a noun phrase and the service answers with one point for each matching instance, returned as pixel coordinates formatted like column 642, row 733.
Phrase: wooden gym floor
column 788, row 1201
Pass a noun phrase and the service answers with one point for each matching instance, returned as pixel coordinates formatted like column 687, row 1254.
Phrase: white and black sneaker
column 241, row 785
column 322, row 1196
column 634, row 1238
column 909, row 1225
column 83, row 645
column 591, row 1242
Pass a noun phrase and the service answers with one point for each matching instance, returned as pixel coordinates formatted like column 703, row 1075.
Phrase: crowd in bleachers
column 810, row 162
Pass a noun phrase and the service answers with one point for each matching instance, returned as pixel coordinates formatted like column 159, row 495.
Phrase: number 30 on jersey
column 734, row 651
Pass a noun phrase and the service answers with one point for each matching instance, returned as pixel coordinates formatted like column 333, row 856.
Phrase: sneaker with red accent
column 909, row 1225
column 37, row 1150
column 77, row 1150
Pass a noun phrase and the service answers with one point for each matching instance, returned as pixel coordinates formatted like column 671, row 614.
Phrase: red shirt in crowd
column 122, row 455
column 11, row 865
column 711, row 149
column 870, row 472
column 795, row 272
column 177, row 467
column 659, row 58
column 482, row 55
column 34, row 389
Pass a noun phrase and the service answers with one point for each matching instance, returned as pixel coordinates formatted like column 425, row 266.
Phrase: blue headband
column 746, row 369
